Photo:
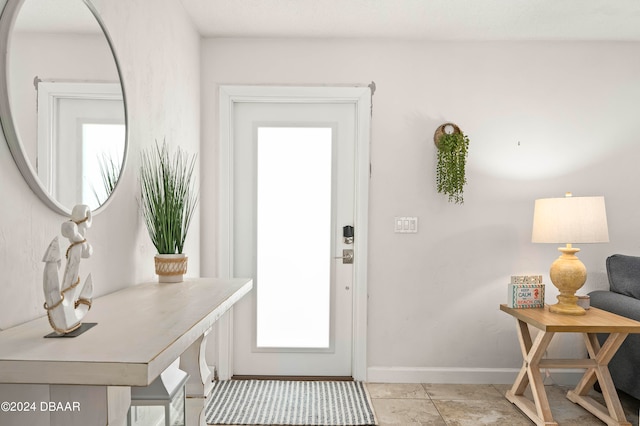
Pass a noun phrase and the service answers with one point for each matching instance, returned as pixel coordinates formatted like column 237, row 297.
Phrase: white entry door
column 81, row 140
column 294, row 173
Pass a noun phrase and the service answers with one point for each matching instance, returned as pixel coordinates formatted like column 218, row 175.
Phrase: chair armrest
column 617, row 303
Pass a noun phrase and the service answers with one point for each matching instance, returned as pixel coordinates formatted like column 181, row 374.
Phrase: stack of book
column 526, row 291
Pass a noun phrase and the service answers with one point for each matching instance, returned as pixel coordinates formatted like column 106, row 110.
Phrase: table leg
column 612, row 414
column 524, row 337
column 538, row 411
column 200, row 381
column 194, row 362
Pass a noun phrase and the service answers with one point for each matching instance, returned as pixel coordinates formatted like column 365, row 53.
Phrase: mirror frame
column 10, row 10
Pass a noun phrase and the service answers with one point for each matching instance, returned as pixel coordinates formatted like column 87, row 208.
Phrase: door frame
column 229, row 96
column 49, row 94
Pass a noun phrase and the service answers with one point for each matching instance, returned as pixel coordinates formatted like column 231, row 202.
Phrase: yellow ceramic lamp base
column 568, row 274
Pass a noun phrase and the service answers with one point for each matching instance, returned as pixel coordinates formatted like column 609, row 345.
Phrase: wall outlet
column 406, row 225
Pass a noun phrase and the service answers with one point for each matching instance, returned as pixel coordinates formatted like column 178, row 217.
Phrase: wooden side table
column 596, row 365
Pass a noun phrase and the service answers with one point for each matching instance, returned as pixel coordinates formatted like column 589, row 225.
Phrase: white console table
column 141, row 331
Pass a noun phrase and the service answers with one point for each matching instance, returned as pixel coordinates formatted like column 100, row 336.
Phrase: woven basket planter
column 171, row 267
column 441, row 130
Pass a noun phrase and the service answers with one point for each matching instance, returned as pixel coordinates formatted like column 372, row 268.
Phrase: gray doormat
column 278, row 402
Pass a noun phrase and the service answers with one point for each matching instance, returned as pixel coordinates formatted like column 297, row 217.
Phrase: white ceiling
column 420, row 19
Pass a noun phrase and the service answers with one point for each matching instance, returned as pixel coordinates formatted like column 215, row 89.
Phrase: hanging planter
column 452, row 146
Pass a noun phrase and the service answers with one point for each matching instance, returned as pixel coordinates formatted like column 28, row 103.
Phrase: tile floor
column 473, row 405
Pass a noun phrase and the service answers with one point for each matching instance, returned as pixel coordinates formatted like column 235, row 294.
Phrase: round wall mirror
column 62, row 107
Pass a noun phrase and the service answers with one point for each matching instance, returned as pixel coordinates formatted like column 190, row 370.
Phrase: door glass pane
column 102, row 148
column 293, row 237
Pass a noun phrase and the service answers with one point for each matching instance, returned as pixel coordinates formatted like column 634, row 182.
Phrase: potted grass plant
column 168, row 201
column 453, row 146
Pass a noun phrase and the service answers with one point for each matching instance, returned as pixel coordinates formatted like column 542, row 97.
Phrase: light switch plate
column 406, row 224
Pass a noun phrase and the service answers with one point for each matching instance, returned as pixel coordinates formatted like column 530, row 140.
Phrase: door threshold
column 294, row 378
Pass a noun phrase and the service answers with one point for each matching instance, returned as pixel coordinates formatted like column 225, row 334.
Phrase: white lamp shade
column 570, row 220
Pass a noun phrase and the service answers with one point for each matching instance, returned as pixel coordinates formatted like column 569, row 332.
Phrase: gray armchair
column 623, row 299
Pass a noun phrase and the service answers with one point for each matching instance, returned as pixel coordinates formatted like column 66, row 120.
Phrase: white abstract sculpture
column 68, row 303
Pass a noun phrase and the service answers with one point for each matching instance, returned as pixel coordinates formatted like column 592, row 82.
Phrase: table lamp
column 569, row 220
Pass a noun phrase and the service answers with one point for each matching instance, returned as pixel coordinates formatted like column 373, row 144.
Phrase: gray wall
column 543, row 119
column 159, row 53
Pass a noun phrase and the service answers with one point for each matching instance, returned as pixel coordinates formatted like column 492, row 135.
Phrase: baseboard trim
column 294, row 378
column 463, row 375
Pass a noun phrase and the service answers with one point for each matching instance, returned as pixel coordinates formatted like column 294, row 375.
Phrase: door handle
column 347, row 256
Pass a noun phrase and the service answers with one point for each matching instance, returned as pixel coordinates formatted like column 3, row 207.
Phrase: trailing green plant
column 168, row 197
column 450, row 170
